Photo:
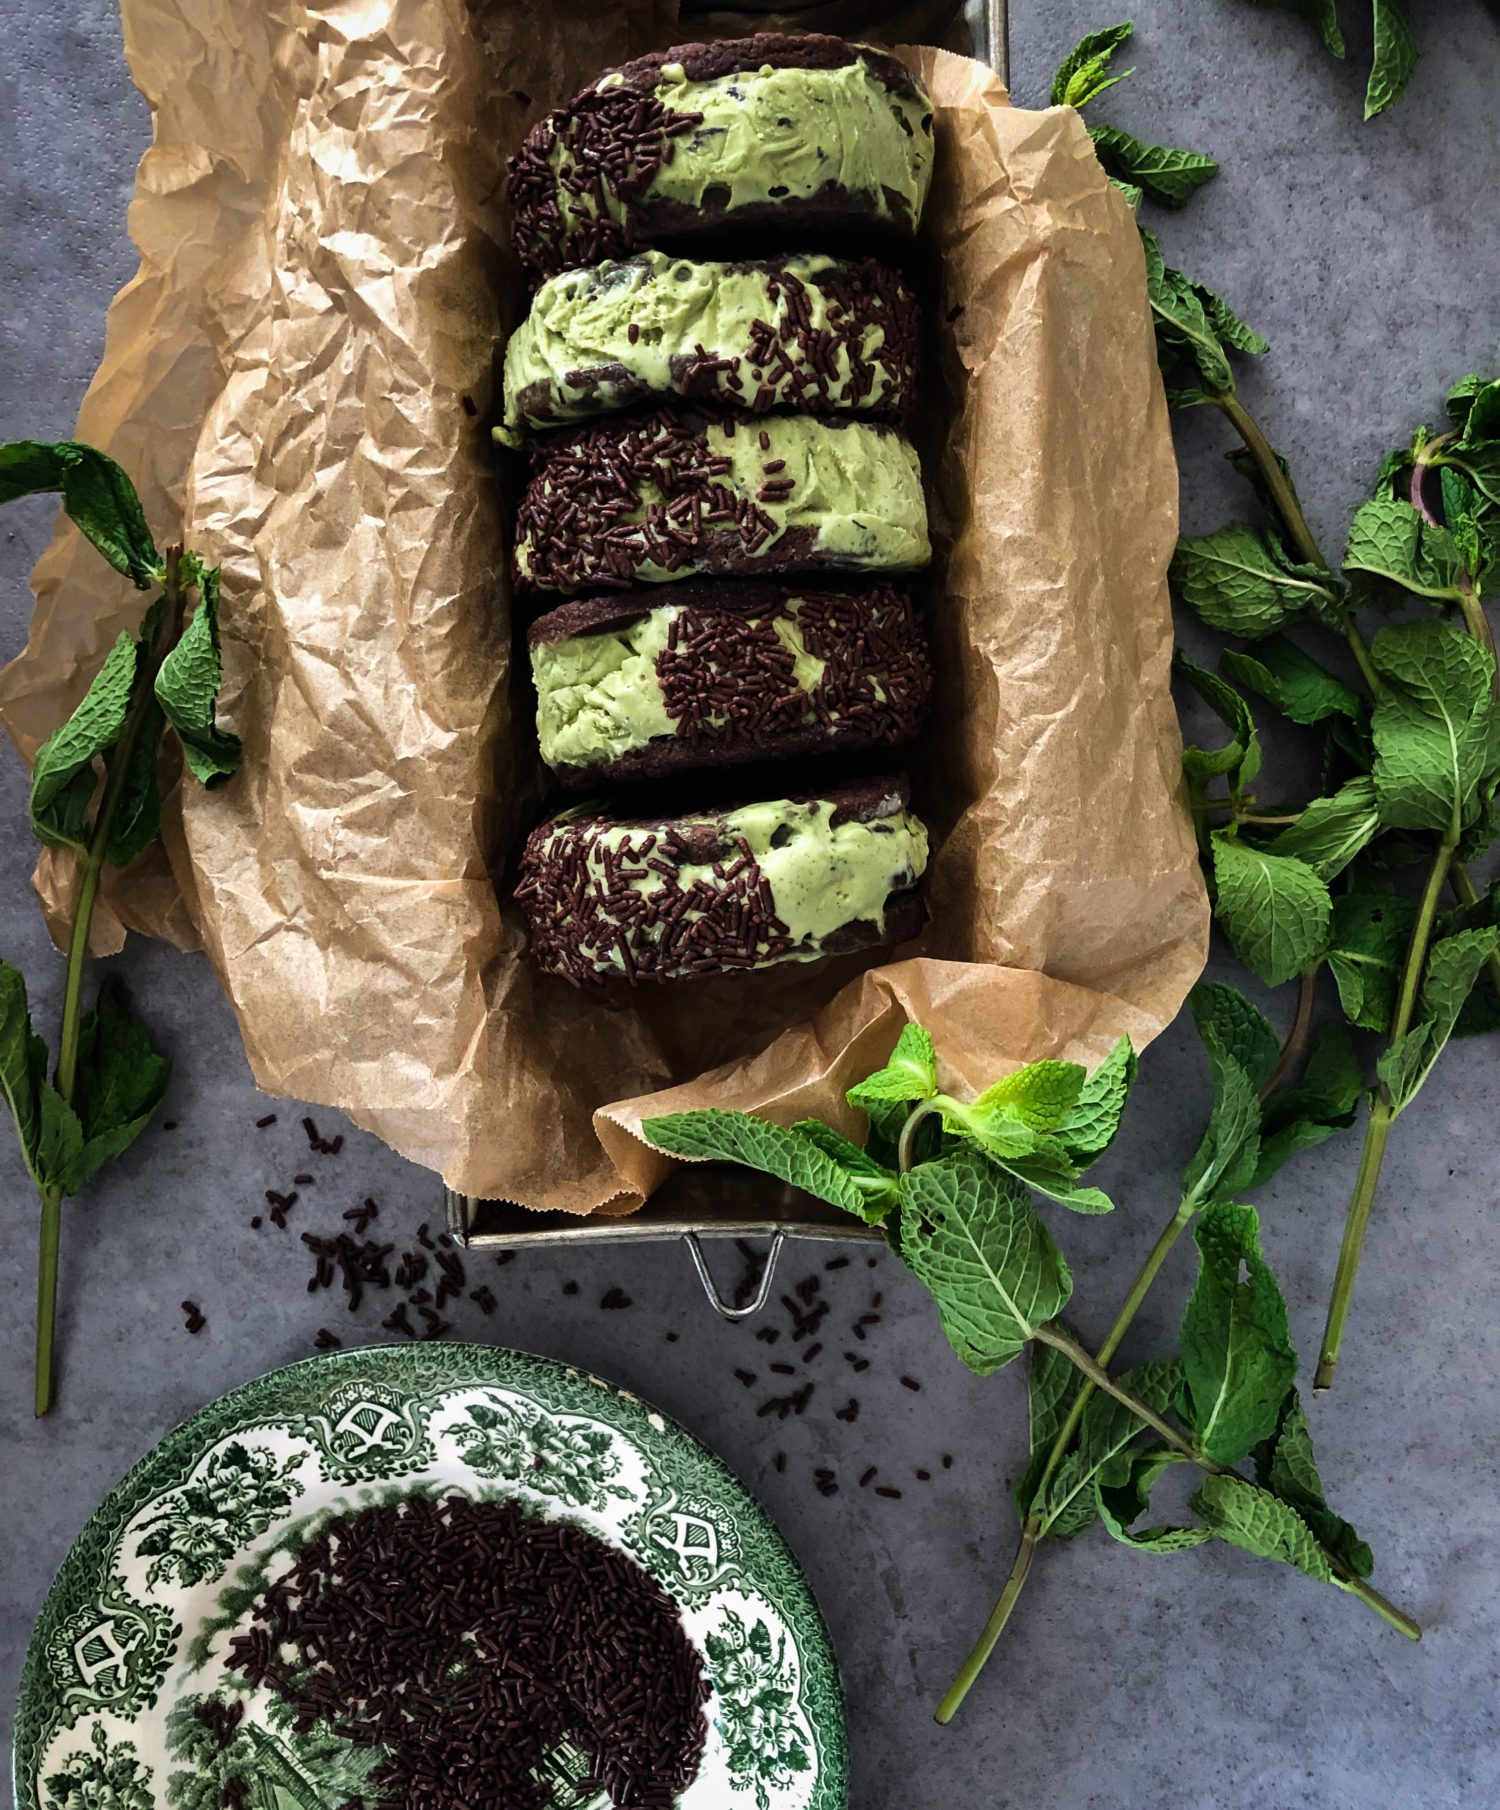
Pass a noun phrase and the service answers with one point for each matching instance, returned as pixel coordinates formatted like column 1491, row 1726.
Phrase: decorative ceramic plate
column 139, row 1620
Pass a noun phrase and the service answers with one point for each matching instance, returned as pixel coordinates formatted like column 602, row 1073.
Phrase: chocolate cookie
column 715, row 892
column 812, row 333
column 713, row 673
column 671, row 494
column 798, row 132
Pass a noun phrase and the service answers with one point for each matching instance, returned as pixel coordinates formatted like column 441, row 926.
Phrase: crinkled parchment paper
column 305, row 367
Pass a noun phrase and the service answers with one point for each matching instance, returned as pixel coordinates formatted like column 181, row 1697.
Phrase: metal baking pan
column 699, row 1204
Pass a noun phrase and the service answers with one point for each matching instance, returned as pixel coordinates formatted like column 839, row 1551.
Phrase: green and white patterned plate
column 139, row 1618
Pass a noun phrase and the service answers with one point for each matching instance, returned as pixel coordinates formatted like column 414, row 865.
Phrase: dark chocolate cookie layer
column 720, row 673
column 802, row 133
column 743, row 887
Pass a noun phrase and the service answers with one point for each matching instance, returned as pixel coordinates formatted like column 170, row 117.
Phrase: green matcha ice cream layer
column 808, row 332
column 674, row 495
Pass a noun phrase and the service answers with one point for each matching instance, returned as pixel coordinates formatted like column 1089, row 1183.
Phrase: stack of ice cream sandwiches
column 722, row 504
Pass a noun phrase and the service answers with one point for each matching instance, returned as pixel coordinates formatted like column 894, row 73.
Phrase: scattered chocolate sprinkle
column 825, row 1482
column 484, row 1299
column 327, row 1341
column 570, row 1288
column 885, row 1489
column 747, row 1377
column 303, row 1181
column 255, row 1222
column 781, row 1461
column 837, row 1263
column 614, row 1298
column 269, row 1119
column 924, row 1476
column 504, row 1257
column 672, row 1338
column 768, row 1335
column 784, row 1369
column 947, row 1461
column 910, row 1382
column 871, row 1472
column 195, row 1321
column 849, row 1412
column 169, row 1124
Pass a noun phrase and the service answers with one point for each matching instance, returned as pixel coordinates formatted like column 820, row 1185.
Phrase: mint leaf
column 1392, row 541
column 1365, row 951
column 1324, row 1102
column 1239, row 759
column 1041, row 1094
column 59, row 1148
column 1058, row 1182
column 875, row 1181
column 1083, row 73
column 1123, row 1495
column 1243, row 1032
column 23, row 1057
column 1332, row 831
column 1256, row 1521
column 63, row 779
column 187, row 688
column 1195, row 330
column 1167, row 175
column 96, row 494
column 1105, row 1430
column 1322, row 15
column 1453, row 966
column 137, row 819
column 1240, row 581
column 1433, row 726
column 738, row 1137
column 1284, row 1464
column 1293, row 681
column 1274, row 908
column 1052, row 1385
column 1133, row 196
column 910, row 1074
column 1236, row 1347
column 1090, row 1127
column 1395, row 57
column 972, row 1237
column 121, row 1079
column 1225, row 1159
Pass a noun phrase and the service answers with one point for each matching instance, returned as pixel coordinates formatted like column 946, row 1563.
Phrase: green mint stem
column 1276, row 480
column 1366, row 1593
column 906, row 1149
column 116, row 773
column 1382, row 1116
column 1031, row 1527
column 1053, row 1335
column 1296, row 1040
column 969, row 1671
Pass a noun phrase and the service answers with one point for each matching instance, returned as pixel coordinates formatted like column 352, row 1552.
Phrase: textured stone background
column 1367, row 254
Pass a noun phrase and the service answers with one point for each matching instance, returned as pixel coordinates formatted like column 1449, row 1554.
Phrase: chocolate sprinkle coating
column 468, row 1640
column 589, row 924
column 585, row 519
column 728, row 679
column 614, row 142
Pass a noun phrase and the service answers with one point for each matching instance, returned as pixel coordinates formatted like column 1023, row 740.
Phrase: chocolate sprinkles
column 468, row 1641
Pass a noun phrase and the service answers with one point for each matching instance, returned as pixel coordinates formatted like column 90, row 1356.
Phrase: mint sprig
column 961, row 1210
column 95, row 789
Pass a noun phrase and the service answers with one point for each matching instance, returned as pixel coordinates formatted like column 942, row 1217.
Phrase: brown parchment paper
column 304, row 366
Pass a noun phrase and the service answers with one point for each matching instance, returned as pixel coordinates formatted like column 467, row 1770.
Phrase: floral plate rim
column 301, row 1389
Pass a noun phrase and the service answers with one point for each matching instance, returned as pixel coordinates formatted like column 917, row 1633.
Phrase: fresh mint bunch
column 1410, row 752
column 95, row 789
column 954, row 1183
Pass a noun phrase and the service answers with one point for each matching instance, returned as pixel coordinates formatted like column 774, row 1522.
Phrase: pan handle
column 726, row 1309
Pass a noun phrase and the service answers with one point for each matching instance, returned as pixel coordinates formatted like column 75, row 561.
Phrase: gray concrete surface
column 1368, row 256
